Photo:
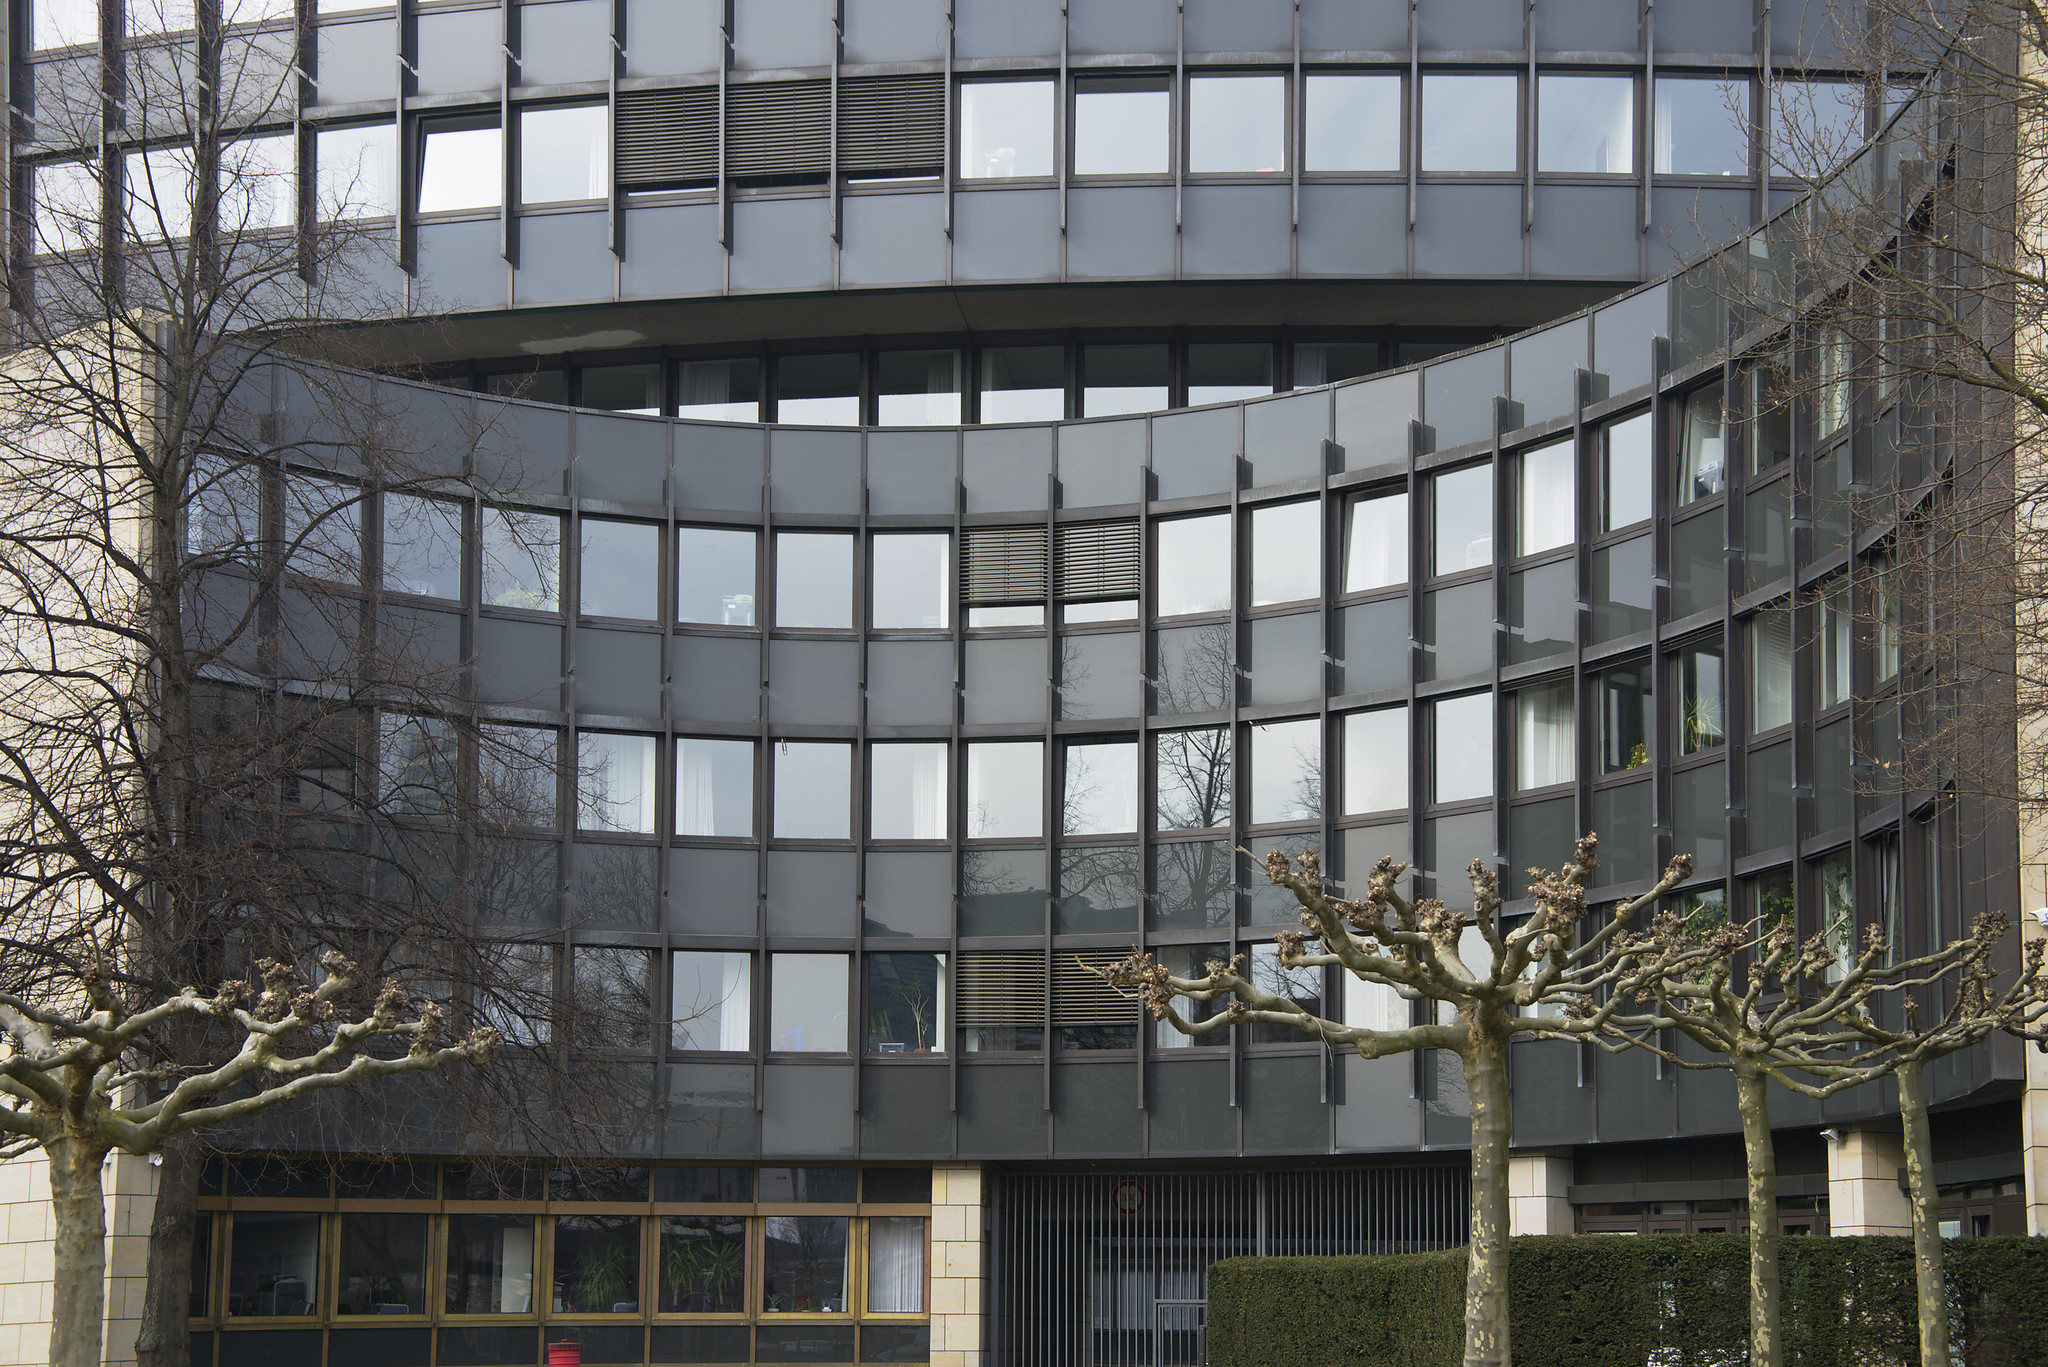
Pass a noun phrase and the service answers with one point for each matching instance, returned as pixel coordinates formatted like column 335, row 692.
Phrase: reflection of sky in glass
column 1120, row 132
column 1353, row 123
column 813, row 579
column 1586, row 124
column 1194, row 565
column 1376, row 543
column 1005, row 790
column 1464, row 747
column 1102, row 789
column 1376, row 760
column 1469, row 123
column 1005, row 129
column 807, row 1003
column 1463, row 519
column 1237, row 123
column 1702, row 126
column 715, row 787
column 619, row 569
column 1287, row 552
column 715, row 576
column 1287, row 758
column 811, row 790
column 911, row 580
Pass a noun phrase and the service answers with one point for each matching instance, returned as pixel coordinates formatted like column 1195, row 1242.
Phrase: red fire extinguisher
column 565, row 1354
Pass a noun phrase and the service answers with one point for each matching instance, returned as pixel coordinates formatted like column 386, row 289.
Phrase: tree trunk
column 1927, row 1273
column 1764, row 1292
column 78, row 1290
column 164, row 1339
column 1486, row 1253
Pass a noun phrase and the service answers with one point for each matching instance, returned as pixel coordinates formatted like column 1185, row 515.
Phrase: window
column 1351, row 123
column 1237, row 123
column 813, row 790
column 355, row 171
column 517, row 1006
column 703, row 1265
column 158, row 193
column 913, row 580
column 516, row 774
column 1120, row 126
column 1885, row 871
column 323, row 528
column 906, row 1003
column 1023, row 383
column 807, row 1003
column 1547, row 494
column 1625, row 718
column 258, row 11
column 65, row 23
column 162, row 16
column 1815, row 125
column 1702, row 463
column 1702, row 126
column 621, row 389
column 1122, row 379
column 1884, row 588
column 460, row 162
column 1005, row 790
column 1586, row 125
column 564, row 153
column 596, row 1264
column 1101, row 794
column 1302, row 986
column 721, row 391
column 710, row 1001
column 1462, row 747
column 259, row 185
column 917, row 388
column 615, row 783
column 1195, row 565
column 274, row 1265
column 1373, row 1006
column 1193, row 774
column 1006, row 129
column 614, row 997
column 715, row 575
column 1287, row 552
column 895, row 1265
column 822, row 391
column 223, row 510
column 522, row 559
column 1376, row 542
column 1546, row 730
column 1462, row 505
column 907, row 791
column 1702, row 715
column 804, row 1264
column 621, row 575
column 1375, row 761
column 416, row 764
column 1328, row 362
column 490, row 1264
column 1626, row 483
column 1831, row 402
column 1470, row 123
column 1220, row 372
column 422, row 546
column 1771, row 440
column 1770, row 664
column 67, row 207
column 1838, row 911
column 715, row 788
column 1287, row 771
column 814, row 580
column 383, row 1264
column 1837, row 632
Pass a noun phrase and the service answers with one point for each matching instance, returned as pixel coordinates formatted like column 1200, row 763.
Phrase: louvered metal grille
column 777, row 128
column 892, row 123
column 1099, row 560
column 1097, row 1269
column 999, row 988
column 1081, row 997
column 668, row 137
column 1003, row 564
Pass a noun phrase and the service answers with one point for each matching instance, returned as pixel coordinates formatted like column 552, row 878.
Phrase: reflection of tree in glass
column 806, row 1258
column 612, row 996
column 1194, row 779
column 513, row 879
column 1197, row 670
column 1192, row 882
column 1074, row 677
column 1097, row 881
column 619, row 884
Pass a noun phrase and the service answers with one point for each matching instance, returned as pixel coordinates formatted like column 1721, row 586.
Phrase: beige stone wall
column 1863, row 1183
column 26, row 1257
column 956, row 1274
column 1538, row 1200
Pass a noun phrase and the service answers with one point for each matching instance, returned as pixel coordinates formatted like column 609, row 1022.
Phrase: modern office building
column 989, row 461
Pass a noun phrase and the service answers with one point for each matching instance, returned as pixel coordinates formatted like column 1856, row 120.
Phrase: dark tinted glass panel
column 1831, row 498
column 1364, row 846
column 905, row 996
column 274, row 1264
column 199, row 1300
column 1287, row 658
column 1283, row 1104
column 1459, row 629
column 1621, row 816
column 1023, row 383
column 895, row 1343
column 594, row 1182
column 1834, row 785
column 1449, row 845
column 262, row 1176
column 488, row 1347
column 1542, row 612
column 383, row 1264
column 1191, row 885
column 1700, row 807
column 1373, row 646
column 818, row 389
column 623, row 388
column 1623, row 593
column 491, row 1182
column 1122, row 379
column 1766, row 533
column 374, row 1348
column 901, row 1186
column 808, row 1185
column 703, row 1184
column 727, row 391
column 700, row 1343
column 1266, row 903
column 290, row 1345
column 1770, row 797
column 805, row 1343
column 1195, row 670
column 396, row 1180
column 1624, row 700
column 597, row 1264
column 602, row 1344
column 1190, row 1108
column 804, row 1268
column 917, row 388
column 1218, row 371
column 703, row 1264
column 1699, row 576
column 1002, row 892
column 1540, row 835
column 1098, row 889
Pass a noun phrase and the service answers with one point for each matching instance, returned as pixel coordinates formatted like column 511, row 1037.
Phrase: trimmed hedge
column 1652, row 1301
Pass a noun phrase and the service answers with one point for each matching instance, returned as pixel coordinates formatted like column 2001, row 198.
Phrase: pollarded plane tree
column 1420, row 950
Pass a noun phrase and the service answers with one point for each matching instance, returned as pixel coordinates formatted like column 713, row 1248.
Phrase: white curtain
column 695, row 814
column 928, row 793
column 1376, row 552
column 735, row 1004
column 896, row 1264
column 1544, row 745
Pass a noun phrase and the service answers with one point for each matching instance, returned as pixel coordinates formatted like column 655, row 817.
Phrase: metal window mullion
column 1419, row 729
column 1414, row 111
column 1177, row 108
column 764, row 593
column 613, row 236
column 1649, row 120
column 832, row 135
column 1529, row 134
column 1329, row 567
column 508, row 37
column 957, row 816
column 858, row 821
column 1663, row 737
column 724, row 136
column 1297, row 144
column 1064, row 127
column 1240, row 753
column 947, row 113
column 1503, row 532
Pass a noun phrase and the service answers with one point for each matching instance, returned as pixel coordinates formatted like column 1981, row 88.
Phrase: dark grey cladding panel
column 1468, row 230
column 1283, row 1105
column 719, row 466
column 1100, row 463
column 716, row 678
column 1122, row 26
column 1808, row 35
column 811, row 892
column 1195, row 452
column 1586, row 232
column 563, row 259
column 909, row 894
column 618, row 673
column 1287, row 658
column 1283, row 438
column 768, row 34
column 361, row 277
column 895, row 30
column 1006, row 681
column 1372, row 420
column 1683, row 222
column 1006, row 28
column 426, row 430
column 422, row 645
column 1633, row 1103
column 910, row 683
column 670, row 250
column 1263, row 26
column 1002, row 1110
column 460, row 265
column 782, row 244
column 710, row 1109
column 1354, row 229
column 814, row 683
column 1380, row 1110
column 1236, row 230
column 671, row 37
column 905, row 1110
column 1099, row 676
column 66, row 96
column 1687, row 29
column 317, row 634
column 1593, row 26
column 1469, row 25
column 262, row 64
column 1005, row 468
column 460, row 50
column 1622, row 333
column 357, row 62
column 1006, row 235
column 1354, row 25
column 713, row 892
column 893, row 239
column 815, row 470
column 564, row 41
column 1551, row 1107
column 1095, row 1108
column 911, row 472
column 1189, row 1101
column 1457, row 397
column 1541, row 370
column 519, row 663
column 622, row 459
column 1119, row 232
column 522, row 447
